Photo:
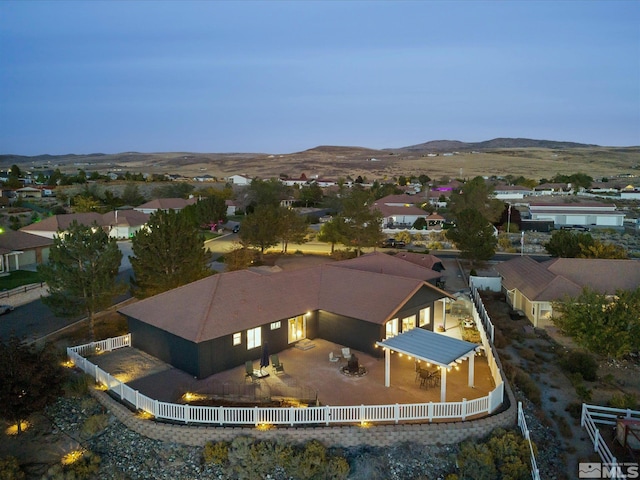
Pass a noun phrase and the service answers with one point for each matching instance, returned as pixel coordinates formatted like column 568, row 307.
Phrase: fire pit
column 353, row 368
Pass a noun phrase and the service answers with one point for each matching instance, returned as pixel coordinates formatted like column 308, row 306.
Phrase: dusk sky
column 279, row 77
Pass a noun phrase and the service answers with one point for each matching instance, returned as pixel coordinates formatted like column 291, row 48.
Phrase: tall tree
column 131, row 195
column 167, row 254
column 606, row 324
column 81, row 273
column 265, row 192
column 478, row 195
column 260, row 228
column 331, row 232
column 362, row 224
column 207, row 211
column 30, row 379
column 473, row 235
column 603, row 250
column 291, row 227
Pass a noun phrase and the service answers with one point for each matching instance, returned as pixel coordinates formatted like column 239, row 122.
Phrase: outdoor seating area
column 428, row 377
column 310, row 370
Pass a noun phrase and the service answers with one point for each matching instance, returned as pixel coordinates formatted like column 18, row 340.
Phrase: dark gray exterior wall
column 350, row 332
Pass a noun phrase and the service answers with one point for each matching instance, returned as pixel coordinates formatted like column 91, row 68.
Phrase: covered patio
column 445, row 352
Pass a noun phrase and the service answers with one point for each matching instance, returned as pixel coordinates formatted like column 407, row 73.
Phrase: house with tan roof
column 532, row 286
column 117, row 224
column 399, row 210
column 165, row 204
column 20, row 251
column 222, row 321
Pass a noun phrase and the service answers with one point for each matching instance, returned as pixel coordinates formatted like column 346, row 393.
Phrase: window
column 392, row 328
column 254, row 338
column 275, row 325
column 425, row 317
column 408, row 323
column 237, row 338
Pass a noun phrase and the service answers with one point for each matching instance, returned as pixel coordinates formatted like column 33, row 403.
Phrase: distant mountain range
column 455, row 145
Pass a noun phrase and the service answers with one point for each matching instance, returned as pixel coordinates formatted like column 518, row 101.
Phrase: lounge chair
column 276, row 365
column 346, row 353
column 249, row 372
column 333, row 358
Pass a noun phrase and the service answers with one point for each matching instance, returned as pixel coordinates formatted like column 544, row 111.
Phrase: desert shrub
column 216, row 453
column 577, row 361
column 527, row 354
column 504, row 455
column 626, row 400
column 85, row 467
column 574, row 409
column 583, row 393
column 94, row 424
column 499, row 340
column 367, row 464
column 528, row 386
column 10, row 469
column 78, row 385
column 343, row 254
column 564, row 427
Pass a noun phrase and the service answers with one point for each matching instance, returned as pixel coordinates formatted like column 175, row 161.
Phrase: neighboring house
column 399, row 210
column 532, row 287
column 239, row 180
column 50, row 226
column 423, row 259
column 28, row 192
column 222, row 321
column 630, row 194
column 587, row 214
column 231, row 207
column 118, row 224
column 165, row 204
column 511, row 193
column 20, row 251
column 205, row 178
column 553, row 189
column 124, row 223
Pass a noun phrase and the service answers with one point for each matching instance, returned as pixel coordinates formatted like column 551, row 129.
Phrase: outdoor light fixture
column 263, row 427
column 365, row 424
column 72, row 457
column 13, row 429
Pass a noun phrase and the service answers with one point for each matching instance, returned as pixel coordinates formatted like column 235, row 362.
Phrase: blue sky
column 279, row 77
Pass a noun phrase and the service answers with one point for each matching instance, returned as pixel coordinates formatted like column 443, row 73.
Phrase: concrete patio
column 305, row 370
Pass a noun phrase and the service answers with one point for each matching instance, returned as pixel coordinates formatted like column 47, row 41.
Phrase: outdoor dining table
column 428, row 378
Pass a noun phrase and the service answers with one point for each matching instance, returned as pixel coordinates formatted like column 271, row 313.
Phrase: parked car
column 236, row 229
column 6, row 309
column 393, row 243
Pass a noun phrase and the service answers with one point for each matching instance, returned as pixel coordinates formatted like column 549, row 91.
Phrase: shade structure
column 429, row 346
column 264, row 359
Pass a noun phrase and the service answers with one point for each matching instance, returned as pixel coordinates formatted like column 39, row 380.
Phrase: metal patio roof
column 429, row 346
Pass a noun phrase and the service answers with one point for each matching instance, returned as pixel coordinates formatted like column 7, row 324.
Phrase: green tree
column 473, row 235
column 238, row 258
column 362, row 225
column 168, row 253
column 131, row 195
column 331, row 232
column 291, row 228
column 260, row 228
column 311, row 195
column 602, row 250
column 83, row 204
column 568, row 244
column 265, row 192
column 81, row 272
column 173, row 190
column 206, row 211
column 30, row 379
column 605, row 324
column 477, row 194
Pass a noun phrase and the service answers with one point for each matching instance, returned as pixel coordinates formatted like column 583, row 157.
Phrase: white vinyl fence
column 522, row 423
column 327, row 415
column 594, row 415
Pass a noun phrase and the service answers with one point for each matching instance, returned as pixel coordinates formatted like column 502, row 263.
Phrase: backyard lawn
column 18, row 278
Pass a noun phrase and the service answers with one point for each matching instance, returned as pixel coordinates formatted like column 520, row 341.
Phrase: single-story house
column 28, row 192
column 231, row 207
column 399, row 210
column 224, row 320
column 239, row 180
column 165, row 204
column 118, row 224
column 19, row 250
column 511, row 192
column 423, row 259
column 532, row 286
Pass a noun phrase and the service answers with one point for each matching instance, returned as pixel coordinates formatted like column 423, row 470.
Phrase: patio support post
column 472, row 362
column 443, row 384
column 444, row 313
column 387, row 367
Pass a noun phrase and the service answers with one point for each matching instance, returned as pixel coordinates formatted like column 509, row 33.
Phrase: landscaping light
column 263, row 427
column 13, row 429
column 72, row 457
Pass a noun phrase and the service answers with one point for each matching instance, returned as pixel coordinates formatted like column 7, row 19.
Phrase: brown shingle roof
column 226, row 303
column 62, row 222
column 167, row 204
column 16, row 240
column 131, row 218
column 553, row 279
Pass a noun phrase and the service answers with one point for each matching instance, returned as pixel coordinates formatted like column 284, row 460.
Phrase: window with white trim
column 275, row 325
column 254, row 338
column 425, row 317
column 392, row 328
column 408, row 323
column 237, row 338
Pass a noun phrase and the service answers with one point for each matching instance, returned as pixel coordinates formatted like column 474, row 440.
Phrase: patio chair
column 249, row 373
column 276, row 365
column 333, row 358
column 346, row 353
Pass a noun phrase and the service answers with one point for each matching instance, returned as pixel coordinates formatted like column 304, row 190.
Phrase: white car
column 6, row 309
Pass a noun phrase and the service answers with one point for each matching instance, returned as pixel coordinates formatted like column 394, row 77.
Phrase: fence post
column 187, row 413
column 583, row 417
column 255, row 416
column 596, row 441
column 291, row 415
column 137, row 400
column 430, row 411
column 327, row 415
column 221, row 415
column 396, row 413
column 464, row 409
column 156, row 408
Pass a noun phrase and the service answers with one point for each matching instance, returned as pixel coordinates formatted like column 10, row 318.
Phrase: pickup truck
column 393, row 243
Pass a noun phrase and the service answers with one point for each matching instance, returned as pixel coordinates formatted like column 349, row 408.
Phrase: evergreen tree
column 167, row 254
column 473, row 235
column 292, row 228
column 331, row 232
column 81, row 272
column 260, row 229
column 30, row 379
column 362, row 225
column 208, row 211
column 478, row 195
column 567, row 244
